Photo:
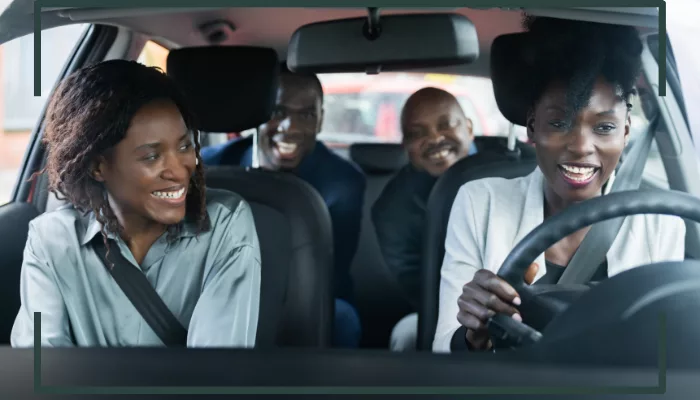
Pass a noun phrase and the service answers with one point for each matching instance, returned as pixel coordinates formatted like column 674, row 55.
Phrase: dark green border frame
column 660, row 388
column 309, row 390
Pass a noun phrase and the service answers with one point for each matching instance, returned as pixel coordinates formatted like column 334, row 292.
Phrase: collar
column 420, row 182
column 472, row 149
column 533, row 211
column 309, row 165
column 609, row 184
column 187, row 228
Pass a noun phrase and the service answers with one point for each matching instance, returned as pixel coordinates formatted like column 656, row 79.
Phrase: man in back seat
column 436, row 134
column 288, row 143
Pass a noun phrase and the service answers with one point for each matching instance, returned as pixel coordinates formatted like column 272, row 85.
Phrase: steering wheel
column 543, row 303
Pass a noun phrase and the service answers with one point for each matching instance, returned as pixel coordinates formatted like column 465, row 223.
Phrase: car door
column 65, row 48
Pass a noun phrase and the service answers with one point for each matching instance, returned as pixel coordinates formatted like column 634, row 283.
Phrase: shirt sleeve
column 39, row 292
column 462, row 260
column 226, row 314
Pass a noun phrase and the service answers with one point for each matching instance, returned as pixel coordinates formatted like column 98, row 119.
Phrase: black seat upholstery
column 233, row 89
column 296, row 247
column 379, row 158
column 378, row 297
column 380, row 301
column 508, row 73
column 13, row 236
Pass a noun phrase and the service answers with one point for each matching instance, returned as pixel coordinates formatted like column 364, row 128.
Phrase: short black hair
column 576, row 53
column 313, row 78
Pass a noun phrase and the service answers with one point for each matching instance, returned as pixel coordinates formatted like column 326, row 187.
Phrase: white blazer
column 490, row 216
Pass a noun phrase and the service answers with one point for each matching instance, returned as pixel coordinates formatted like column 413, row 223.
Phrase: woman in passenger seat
column 583, row 75
column 123, row 152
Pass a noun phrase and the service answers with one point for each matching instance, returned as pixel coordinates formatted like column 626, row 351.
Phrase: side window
column 154, row 55
column 19, row 108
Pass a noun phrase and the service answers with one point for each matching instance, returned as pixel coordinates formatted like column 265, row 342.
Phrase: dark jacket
column 398, row 216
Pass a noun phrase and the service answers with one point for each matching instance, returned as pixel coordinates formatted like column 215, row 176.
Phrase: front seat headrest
column 230, row 88
column 378, row 157
column 509, row 75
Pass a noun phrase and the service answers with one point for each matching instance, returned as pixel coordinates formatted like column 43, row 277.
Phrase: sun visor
column 231, row 88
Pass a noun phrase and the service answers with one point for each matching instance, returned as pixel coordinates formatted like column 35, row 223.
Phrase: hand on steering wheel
column 483, row 297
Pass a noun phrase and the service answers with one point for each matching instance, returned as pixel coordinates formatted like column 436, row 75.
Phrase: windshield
column 357, row 108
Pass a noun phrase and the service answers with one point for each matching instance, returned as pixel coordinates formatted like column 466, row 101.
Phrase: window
column 154, row 55
column 682, row 32
column 360, row 107
column 19, row 108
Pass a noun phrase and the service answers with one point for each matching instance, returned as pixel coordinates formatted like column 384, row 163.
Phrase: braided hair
column 88, row 114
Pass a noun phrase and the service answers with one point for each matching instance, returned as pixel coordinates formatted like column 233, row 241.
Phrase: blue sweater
column 340, row 183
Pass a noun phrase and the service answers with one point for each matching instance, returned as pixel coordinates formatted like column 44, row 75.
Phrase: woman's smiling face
column 578, row 156
column 148, row 173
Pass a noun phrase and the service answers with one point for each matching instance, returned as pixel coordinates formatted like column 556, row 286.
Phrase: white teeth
column 441, row 155
column 578, row 174
column 169, row 195
column 286, row 148
column 578, row 170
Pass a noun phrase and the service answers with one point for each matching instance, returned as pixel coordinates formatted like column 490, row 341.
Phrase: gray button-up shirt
column 210, row 281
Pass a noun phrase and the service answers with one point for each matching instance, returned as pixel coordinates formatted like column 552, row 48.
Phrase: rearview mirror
column 389, row 43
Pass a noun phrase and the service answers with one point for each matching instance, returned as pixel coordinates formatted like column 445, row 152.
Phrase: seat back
column 296, row 246
column 13, row 236
column 291, row 219
column 379, row 300
column 486, row 164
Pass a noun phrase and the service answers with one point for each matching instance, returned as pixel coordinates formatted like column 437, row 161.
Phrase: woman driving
column 579, row 122
column 122, row 151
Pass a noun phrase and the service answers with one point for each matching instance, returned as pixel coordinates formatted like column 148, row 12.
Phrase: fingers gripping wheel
column 505, row 332
column 512, row 333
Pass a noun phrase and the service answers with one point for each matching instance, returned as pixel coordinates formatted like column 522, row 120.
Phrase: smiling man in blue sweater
column 288, row 142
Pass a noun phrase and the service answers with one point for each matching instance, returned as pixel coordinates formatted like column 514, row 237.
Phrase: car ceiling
column 273, row 27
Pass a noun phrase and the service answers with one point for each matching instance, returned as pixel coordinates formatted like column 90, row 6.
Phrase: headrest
column 230, row 88
column 379, row 157
column 509, row 74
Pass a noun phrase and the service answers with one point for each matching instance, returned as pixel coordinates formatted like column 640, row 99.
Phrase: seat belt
column 594, row 247
column 143, row 296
